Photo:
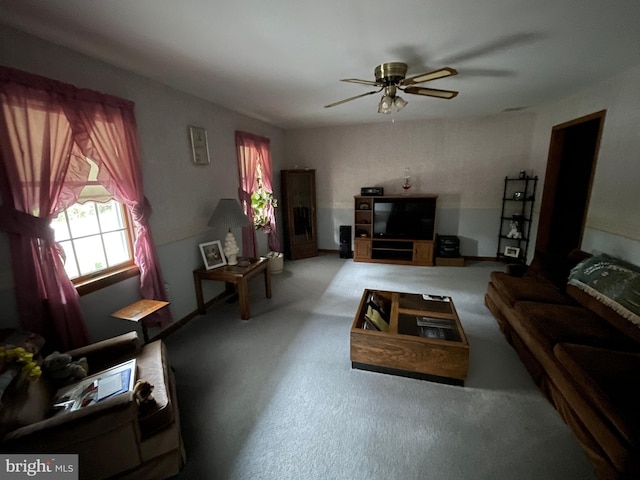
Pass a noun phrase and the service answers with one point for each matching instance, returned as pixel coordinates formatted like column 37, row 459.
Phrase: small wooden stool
column 138, row 311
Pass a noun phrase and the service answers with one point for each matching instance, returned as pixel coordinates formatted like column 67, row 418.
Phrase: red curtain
column 106, row 131
column 47, row 129
column 253, row 150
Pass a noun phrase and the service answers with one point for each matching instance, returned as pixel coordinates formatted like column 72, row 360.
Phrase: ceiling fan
column 390, row 77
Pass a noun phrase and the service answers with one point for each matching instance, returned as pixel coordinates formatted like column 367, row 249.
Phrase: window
column 256, row 193
column 97, row 235
column 97, row 239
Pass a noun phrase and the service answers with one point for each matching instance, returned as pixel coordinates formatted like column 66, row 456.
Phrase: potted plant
column 261, row 201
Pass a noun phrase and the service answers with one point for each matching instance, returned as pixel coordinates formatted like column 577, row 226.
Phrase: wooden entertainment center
column 410, row 241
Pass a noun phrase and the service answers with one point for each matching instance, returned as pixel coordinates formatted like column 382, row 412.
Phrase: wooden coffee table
column 425, row 339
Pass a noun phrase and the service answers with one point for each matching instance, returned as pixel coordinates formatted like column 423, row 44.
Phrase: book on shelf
column 96, row 388
column 374, row 316
column 377, row 313
column 368, row 325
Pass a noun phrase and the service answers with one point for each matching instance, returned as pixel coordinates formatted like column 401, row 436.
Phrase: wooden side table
column 138, row 311
column 234, row 276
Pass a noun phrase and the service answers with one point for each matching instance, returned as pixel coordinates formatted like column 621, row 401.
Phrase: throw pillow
column 612, row 281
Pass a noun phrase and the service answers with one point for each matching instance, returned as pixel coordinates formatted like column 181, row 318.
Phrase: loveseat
column 572, row 322
column 114, row 438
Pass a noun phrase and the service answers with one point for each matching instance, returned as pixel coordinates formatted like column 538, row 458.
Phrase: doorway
column 571, row 165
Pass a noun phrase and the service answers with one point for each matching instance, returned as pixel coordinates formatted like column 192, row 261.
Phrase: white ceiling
column 281, row 60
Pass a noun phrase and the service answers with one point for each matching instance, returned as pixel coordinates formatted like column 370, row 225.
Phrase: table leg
column 243, row 297
column 145, row 332
column 267, row 282
column 199, row 299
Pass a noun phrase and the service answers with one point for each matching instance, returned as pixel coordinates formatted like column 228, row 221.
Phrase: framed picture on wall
column 212, row 254
column 511, row 252
column 199, row 145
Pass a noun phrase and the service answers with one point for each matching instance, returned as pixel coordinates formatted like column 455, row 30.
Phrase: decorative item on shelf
column 515, row 227
column 406, row 185
column 199, row 145
column 513, row 252
column 363, row 206
column 514, row 232
column 523, row 174
column 518, row 195
column 213, row 255
column 229, row 214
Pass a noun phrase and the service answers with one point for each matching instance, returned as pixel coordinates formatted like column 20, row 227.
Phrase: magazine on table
column 97, row 387
column 436, row 298
column 435, row 322
column 437, row 328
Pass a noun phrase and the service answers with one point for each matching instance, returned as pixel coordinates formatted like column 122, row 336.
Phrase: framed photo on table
column 199, row 145
column 511, row 252
column 212, row 254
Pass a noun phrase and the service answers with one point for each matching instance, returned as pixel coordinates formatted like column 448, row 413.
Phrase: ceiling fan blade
column 425, row 77
column 352, row 98
column 431, row 92
column 363, row 82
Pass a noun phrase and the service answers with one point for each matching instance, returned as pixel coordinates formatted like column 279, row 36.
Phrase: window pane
column 110, row 216
column 117, row 247
column 59, row 225
column 70, row 263
column 83, row 220
column 90, row 254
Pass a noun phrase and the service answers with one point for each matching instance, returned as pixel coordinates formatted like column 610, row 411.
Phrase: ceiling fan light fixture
column 385, row 104
column 391, row 77
column 399, row 103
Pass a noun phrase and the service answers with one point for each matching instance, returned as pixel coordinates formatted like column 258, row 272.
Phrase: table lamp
column 229, row 214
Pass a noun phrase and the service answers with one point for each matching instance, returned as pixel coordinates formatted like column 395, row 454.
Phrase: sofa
column 118, row 437
column 574, row 322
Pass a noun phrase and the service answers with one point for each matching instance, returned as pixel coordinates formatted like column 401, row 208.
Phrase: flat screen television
column 410, row 218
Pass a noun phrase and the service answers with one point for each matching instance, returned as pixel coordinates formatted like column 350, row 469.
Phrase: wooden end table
column 234, row 276
column 138, row 311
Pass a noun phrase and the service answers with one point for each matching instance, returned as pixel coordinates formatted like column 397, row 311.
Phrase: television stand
column 404, row 250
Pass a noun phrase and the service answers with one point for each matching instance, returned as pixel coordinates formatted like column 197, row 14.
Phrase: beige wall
column 463, row 161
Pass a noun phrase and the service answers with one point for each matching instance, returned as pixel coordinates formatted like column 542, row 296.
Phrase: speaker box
column 345, row 241
column 447, row 246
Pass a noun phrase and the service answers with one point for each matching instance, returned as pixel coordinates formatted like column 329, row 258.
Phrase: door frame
column 556, row 185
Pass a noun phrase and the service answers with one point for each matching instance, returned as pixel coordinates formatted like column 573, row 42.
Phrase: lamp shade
column 228, row 214
column 400, row 103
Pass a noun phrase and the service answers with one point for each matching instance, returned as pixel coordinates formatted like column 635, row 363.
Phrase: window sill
column 106, row 279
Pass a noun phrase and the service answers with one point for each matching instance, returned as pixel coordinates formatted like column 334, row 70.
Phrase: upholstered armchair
column 114, row 437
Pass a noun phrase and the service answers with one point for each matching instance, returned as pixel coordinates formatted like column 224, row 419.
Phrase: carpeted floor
column 276, row 398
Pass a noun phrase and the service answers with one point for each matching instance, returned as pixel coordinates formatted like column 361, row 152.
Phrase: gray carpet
column 275, row 397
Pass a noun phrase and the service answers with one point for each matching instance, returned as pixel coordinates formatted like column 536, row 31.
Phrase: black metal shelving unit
column 518, row 198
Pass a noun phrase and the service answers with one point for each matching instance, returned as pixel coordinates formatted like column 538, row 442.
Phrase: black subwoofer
column 345, row 241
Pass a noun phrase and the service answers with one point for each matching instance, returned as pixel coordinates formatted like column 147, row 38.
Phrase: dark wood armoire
column 298, row 202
